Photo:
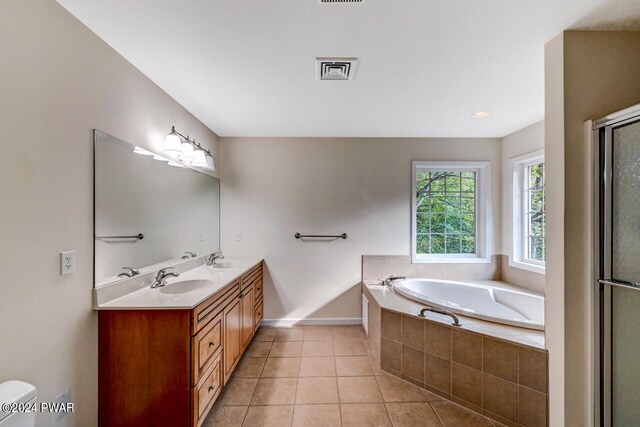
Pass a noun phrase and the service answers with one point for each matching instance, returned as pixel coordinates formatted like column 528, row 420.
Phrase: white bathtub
column 495, row 304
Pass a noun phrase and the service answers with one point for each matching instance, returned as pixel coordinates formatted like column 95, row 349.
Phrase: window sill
column 526, row 266
column 450, row 260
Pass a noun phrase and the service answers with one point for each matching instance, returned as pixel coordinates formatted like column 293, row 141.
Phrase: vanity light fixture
column 199, row 159
column 175, row 164
column 158, row 157
column 189, row 150
column 173, row 144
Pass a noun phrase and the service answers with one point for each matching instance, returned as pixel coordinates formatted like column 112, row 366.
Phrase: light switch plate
column 67, row 263
column 62, row 404
column 238, row 236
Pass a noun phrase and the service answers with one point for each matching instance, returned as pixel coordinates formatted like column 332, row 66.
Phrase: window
column 529, row 217
column 450, row 212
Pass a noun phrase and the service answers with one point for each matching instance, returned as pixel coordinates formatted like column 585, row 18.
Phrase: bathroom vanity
column 165, row 354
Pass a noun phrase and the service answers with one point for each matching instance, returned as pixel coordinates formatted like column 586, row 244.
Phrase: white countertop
column 142, row 297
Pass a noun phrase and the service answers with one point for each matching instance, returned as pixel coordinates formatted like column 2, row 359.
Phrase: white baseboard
column 313, row 321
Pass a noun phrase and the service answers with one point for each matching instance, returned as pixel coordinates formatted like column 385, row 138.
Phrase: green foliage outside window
column 535, row 215
column 446, row 212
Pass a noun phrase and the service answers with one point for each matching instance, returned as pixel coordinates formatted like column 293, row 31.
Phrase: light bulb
column 211, row 164
column 187, row 152
column 172, row 142
column 200, row 159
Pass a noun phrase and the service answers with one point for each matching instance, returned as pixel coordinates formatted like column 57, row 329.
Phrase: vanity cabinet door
column 232, row 331
column 248, row 311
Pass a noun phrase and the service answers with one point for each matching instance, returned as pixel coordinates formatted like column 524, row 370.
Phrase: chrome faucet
column 388, row 281
column 161, row 277
column 189, row 255
column 132, row 272
column 213, row 257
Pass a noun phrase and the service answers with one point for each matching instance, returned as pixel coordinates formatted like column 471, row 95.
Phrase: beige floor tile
column 281, row 367
column 317, row 348
column 353, row 366
column 317, row 390
column 265, row 334
column 412, row 415
column 349, row 348
column 364, row 415
column 286, row 349
column 317, row 333
column 289, row 334
column 358, row 390
column 275, row 391
column 317, row 367
column 249, row 367
column 345, row 333
column 316, row 416
column 269, row 416
column 225, row 416
column 453, row 415
column 375, row 366
column 258, row 349
column 394, row 389
column 238, row 391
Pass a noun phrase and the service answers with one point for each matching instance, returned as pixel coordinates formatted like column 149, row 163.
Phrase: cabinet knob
column 212, row 343
column 241, row 295
column 211, row 388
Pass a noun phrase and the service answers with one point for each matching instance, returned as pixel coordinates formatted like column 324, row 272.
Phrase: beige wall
column 554, row 194
column 589, row 76
column 59, row 81
column 273, row 188
column 522, row 142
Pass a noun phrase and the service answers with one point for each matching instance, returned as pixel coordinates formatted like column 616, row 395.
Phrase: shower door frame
column 602, row 257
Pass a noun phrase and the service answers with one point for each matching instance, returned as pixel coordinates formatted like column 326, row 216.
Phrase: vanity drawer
column 258, row 287
column 259, row 312
column 252, row 276
column 205, row 345
column 209, row 309
column 206, row 392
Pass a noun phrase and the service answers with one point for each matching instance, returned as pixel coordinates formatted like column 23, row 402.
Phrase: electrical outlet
column 67, row 263
column 200, row 237
column 62, row 405
column 238, row 236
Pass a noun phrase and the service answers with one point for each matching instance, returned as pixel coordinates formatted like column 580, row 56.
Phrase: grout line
column 436, row 412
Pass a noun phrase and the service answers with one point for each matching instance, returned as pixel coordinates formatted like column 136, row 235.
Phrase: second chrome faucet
column 213, row 257
column 162, row 276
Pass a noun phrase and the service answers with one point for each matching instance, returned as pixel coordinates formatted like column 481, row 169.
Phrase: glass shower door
column 619, row 279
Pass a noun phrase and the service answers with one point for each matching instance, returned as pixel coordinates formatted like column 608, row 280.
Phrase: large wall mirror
column 148, row 213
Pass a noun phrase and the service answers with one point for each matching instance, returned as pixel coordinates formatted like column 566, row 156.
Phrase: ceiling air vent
column 335, row 69
column 341, row 1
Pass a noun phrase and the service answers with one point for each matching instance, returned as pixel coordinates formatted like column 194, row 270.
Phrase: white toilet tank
column 18, row 395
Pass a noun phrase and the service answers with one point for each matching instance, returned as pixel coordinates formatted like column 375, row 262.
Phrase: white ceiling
column 246, row 68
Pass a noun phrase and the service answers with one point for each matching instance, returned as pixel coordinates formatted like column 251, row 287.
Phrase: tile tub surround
column 324, row 387
column 503, row 380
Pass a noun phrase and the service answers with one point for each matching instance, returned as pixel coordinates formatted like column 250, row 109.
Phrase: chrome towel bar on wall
column 320, row 236
column 138, row 236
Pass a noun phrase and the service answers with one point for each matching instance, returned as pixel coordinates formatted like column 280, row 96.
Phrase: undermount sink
column 185, row 286
column 225, row 264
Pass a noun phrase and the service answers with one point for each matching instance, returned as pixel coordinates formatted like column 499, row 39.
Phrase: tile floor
column 316, row 376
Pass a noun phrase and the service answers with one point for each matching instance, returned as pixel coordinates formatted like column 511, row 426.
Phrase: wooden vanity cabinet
column 168, row 367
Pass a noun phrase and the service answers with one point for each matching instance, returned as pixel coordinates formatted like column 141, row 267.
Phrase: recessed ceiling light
column 481, row 115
